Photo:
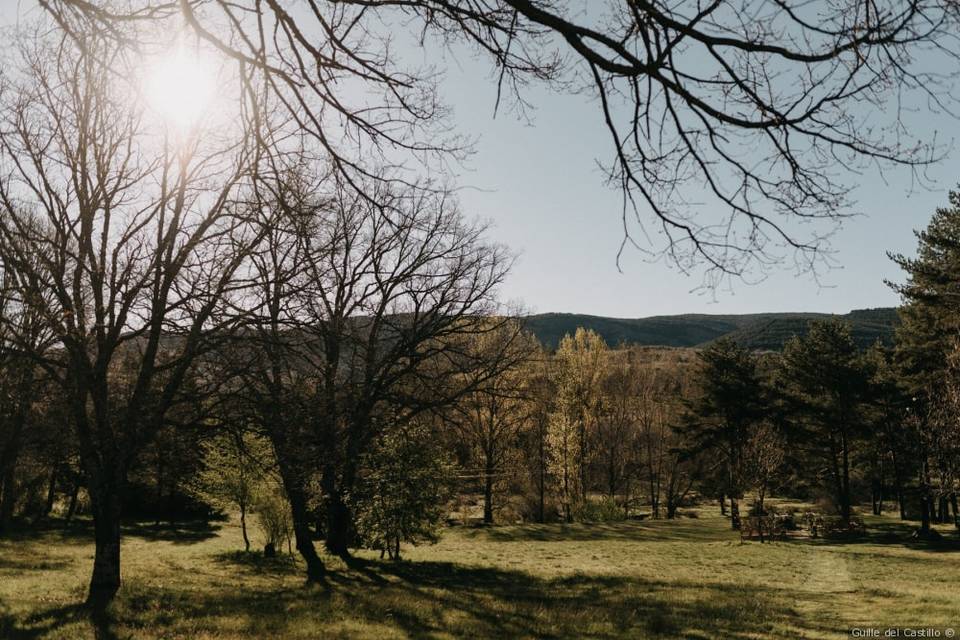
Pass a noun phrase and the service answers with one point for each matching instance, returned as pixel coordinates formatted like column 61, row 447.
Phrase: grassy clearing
column 690, row 578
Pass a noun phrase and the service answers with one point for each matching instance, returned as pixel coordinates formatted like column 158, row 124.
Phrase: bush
column 403, row 489
column 273, row 515
column 604, row 510
column 831, row 526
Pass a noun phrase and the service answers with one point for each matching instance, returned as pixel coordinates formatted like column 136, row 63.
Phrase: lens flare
column 180, row 88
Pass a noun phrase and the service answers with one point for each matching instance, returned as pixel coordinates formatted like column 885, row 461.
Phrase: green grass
column 690, row 578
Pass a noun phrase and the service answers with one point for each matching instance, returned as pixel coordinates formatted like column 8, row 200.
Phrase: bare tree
column 616, row 431
column 540, row 384
column 120, row 226
column 369, row 300
column 654, row 435
column 761, row 111
column 489, row 418
column 763, row 457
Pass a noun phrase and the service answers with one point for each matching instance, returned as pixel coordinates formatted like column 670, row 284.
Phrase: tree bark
column 924, row 514
column 51, row 493
column 105, row 581
column 8, row 496
column 243, row 527
column 74, row 494
column 339, row 525
column 734, row 513
column 925, row 498
column 845, row 478
column 316, row 571
column 542, row 462
column 488, row 495
column 671, row 510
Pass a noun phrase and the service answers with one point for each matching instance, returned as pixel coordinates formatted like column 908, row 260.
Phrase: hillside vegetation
column 755, row 331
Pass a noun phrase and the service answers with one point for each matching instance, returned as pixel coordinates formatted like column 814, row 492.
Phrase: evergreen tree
column 825, row 382
column 931, row 295
column 926, row 338
column 732, row 402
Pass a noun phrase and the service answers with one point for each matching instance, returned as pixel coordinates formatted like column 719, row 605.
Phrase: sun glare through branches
column 180, row 87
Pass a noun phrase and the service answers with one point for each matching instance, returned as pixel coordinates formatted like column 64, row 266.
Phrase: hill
column 758, row 330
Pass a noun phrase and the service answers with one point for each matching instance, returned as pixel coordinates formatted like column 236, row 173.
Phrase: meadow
column 689, row 578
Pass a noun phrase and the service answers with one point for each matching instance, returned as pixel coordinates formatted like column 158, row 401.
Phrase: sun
column 180, row 87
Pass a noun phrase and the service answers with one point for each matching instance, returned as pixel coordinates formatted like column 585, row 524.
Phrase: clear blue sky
column 539, row 186
column 542, row 191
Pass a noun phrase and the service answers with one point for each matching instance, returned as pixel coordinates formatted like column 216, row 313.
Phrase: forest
column 257, row 377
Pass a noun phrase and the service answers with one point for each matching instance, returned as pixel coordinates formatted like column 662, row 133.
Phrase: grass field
column 690, row 578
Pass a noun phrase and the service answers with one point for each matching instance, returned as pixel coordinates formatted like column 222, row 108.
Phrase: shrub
column 604, row 510
column 831, row 526
column 402, row 491
column 273, row 515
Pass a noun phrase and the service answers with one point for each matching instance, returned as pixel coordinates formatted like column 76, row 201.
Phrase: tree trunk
column 898, row 486
column 924, row 514
column 543, row 481
column 488, row 493
column 734, row 513
column 105, row 581
column 672, row 506
column 51, row 493
column 74, row 494
column 925, row 498
column 243, row 526
column 583, row 459
column 8, row 496
column 845, row 479
column 339, row 526
column 723, row 504
column 316, row 571
column 882, row 487
column 956, row 510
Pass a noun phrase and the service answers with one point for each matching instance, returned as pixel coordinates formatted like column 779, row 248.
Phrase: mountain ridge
column 764, row 331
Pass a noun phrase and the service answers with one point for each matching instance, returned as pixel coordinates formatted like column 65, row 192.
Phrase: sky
column 538, row 185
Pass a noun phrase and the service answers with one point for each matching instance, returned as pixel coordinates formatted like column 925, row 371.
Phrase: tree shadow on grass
column 887, row 534
column 31, row 561
column 255, row 562
column 81, row 530
column 686, row 530
column 40, row 624
column 431, row 599
column 185, row 532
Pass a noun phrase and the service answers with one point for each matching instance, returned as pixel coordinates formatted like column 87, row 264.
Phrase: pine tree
column 930, row 326
column 825, row 381
column 732, row 401
column 931, row 295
